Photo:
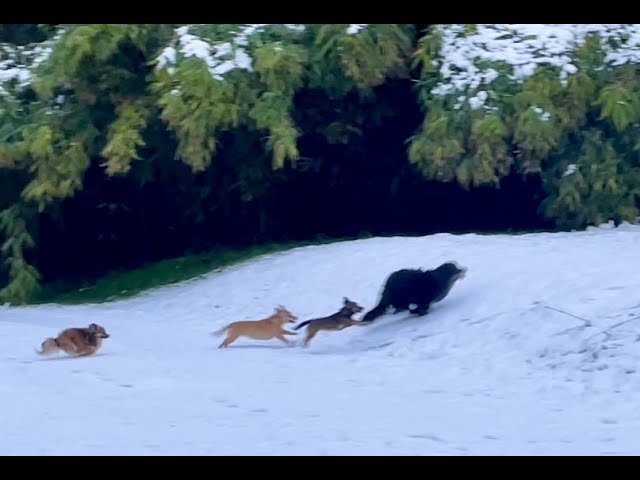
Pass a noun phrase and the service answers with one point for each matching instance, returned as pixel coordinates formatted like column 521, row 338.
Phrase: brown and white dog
column 76, row 341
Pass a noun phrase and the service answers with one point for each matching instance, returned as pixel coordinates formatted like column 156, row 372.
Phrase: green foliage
column 95, row 92
column 125, row 137
column 271, row 112
column 490, row 160
column 223, row 99
column 619, row 105
column 441, row 151
column 281, row 69
column 342, row 62
column 23, row 277
column 196, row 107
column 605, row 186
column 375, row 54
column 58, row 167
column 535, row 125
column 437, row 149
column 12, row 151
column 577, row 101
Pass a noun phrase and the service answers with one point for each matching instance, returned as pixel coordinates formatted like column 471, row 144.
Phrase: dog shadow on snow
column 261, row 346
column 70, row 357
column 437, row 311
column 399, row 320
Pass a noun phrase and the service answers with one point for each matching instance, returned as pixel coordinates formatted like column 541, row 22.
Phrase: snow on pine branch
column 355, row 28
column 220, row 58
column 17, row 62
column 524, row 47
column 542, row 115
column 571, row 169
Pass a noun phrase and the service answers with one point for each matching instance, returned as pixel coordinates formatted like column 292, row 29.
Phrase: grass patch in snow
column 125, row 284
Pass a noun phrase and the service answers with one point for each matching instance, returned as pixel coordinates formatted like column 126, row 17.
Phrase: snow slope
column 491, row 370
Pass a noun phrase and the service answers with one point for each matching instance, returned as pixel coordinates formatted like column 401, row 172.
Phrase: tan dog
column 338, row 321
column 76, row 341
column 265, row 329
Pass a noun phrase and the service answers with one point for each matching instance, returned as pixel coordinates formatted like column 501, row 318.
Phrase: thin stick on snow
column 587, row 323
column 607, row 331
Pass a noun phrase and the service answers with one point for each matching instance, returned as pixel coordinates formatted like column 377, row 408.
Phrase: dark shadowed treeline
column 125, row 144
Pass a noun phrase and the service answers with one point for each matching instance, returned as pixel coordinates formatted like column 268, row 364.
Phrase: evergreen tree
column 80, row 94
column 534, row 99
column 210, row 115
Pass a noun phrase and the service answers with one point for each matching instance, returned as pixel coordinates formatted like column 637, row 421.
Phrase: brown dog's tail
column 48, row 347
column 217, row 333
column 300, row 325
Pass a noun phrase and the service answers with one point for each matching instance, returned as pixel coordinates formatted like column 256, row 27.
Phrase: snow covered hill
column 493, row 369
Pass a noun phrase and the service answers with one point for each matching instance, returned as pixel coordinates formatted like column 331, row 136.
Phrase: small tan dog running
column 265, row 329
column 76, row 341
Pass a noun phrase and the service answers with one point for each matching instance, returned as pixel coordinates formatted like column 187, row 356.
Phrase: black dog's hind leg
column 420, row 310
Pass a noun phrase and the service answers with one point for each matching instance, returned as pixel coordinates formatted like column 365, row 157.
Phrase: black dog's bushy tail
column 300, row 325
column 371, row 315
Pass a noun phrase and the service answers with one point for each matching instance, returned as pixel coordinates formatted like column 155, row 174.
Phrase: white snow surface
column 524, row 47
column 491, row 370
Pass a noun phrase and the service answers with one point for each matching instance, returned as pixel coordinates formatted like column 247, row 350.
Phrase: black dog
column 407, row 286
